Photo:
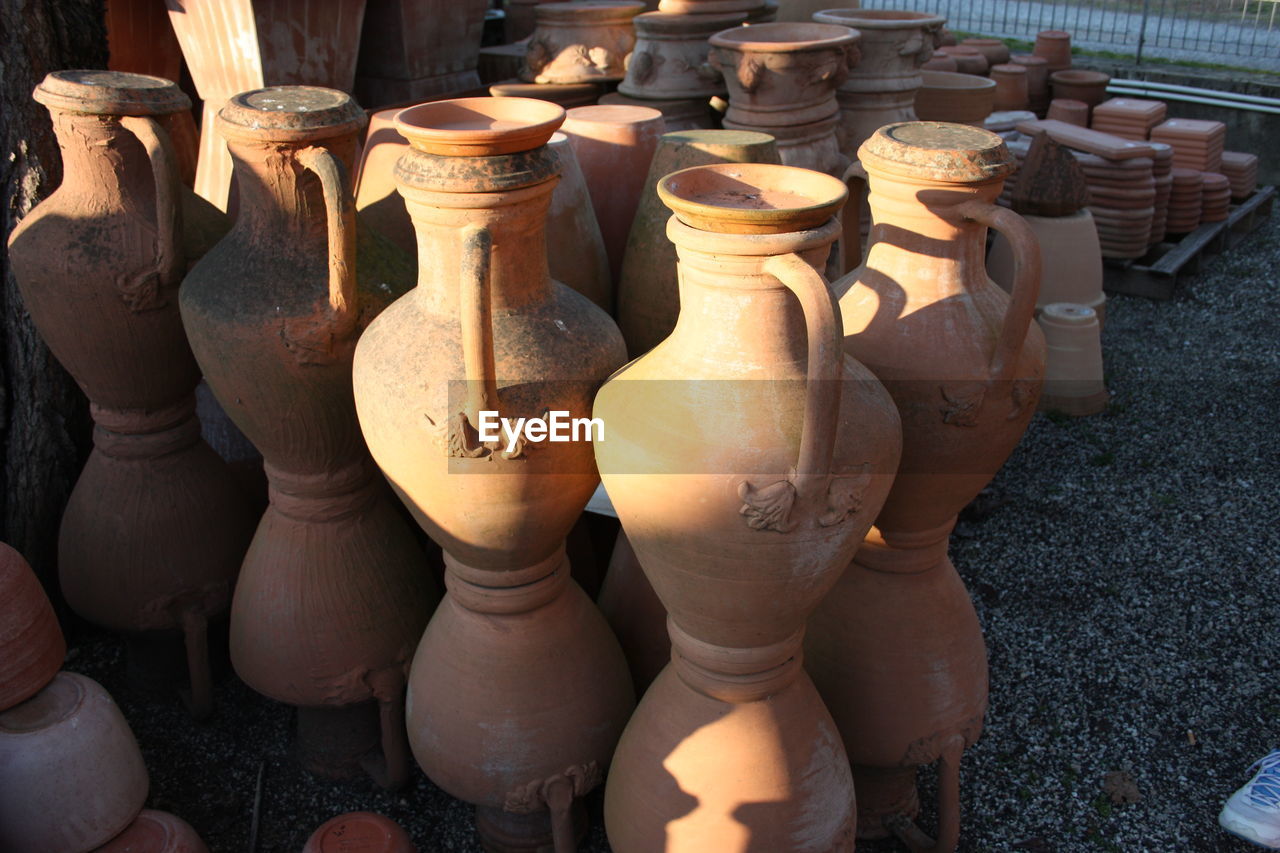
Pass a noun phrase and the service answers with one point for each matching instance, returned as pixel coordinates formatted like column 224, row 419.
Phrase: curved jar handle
column 341, row 223
column 826, row 365
column 164, row 171
column 855, row 178
column 477, row 322
column 1026, row 281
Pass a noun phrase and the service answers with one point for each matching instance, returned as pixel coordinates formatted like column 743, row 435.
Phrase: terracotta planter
column 519, row 22
column 413, row 50
column 583, row 42
column 31, row 644
column 670, row 57
column 518, row 691
column 996, row 51
column 1088, row 87
column 1072, row 261
column 1055, row 47
column 969, row 60
column 881, row 88
column 156, row 832
column 614, row 145
column 785, row 476
column 71, row 776
column 940, row 62
column 575, row 247
column 233, row 46
column 359, row 832
column 1037, row 81
column 1070, row 111
column 332, row 594
column 155, row 529
column 1012, row 91
column 648, row 294
column 679, row 114
column 895, row 649
column 1073, row 372
column 959, row 98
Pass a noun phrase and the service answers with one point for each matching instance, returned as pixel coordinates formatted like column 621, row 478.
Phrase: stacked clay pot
column 669, row 71
column 996, row 51
column 881, row 88
column 1215, row 204
column 968, row 59
column 1128, row 118
column 1088, row 87
column 1037, row 81
column 782, row 80
column 583, row 42
column 1185, row 199
column 1162, row 173
column 940, row 62
column 1197, row 144
column 518, row 690
column 745, row 470
column 958, row 98
column 333, row 592
column 156, row 526
column 1069, row 111
column 1242, row 171
column 895, row 647
column 1055, row 47
column 1073, row 377
column 1011, row 87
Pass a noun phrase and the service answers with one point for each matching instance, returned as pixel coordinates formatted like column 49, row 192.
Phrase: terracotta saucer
column 479, row 127
column 752, row 198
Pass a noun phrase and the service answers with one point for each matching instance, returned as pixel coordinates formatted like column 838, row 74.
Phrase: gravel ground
column 1124, row 569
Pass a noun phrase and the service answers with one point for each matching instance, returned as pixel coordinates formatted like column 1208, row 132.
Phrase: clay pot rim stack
column 708, row 198
column 770, row 37
column 515, row 125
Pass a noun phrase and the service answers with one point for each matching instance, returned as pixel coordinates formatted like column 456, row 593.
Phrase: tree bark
column 44, row 423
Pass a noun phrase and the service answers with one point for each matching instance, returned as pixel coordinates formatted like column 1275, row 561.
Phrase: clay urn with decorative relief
column 746, row 456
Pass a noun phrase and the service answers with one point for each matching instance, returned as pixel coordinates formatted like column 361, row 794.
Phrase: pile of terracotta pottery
column 1129, row 118
column 780, row 622
column 1242, row 171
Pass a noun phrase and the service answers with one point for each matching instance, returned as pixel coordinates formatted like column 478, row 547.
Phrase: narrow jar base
column 883, row 794
column 502, row 831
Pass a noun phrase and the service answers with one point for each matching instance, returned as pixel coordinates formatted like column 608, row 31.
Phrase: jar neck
column 516, row 220
column 97, row 152
column 281, row 201
column 911, row 219
column 734, row 313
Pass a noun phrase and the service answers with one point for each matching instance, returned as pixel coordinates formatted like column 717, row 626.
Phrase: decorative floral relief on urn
column 583, row 42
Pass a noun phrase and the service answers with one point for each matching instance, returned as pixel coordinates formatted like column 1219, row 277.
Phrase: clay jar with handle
column 895, row 649
column 648, row 296
column 745, row 456
column 71, row 775
column 782, row 80
column 518, row 691
column 881, row 88
column 156, row 526
column 32, row 647
column 333, row 592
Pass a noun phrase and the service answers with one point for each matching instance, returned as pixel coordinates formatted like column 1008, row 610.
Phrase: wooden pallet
column 1155, row 275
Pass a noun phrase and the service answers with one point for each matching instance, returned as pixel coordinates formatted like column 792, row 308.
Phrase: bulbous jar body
column 156, row 526
column 746, row 458
column 334, row 592
column 518, row 691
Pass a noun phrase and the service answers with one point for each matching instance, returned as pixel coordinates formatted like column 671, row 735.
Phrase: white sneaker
column 1253, row 812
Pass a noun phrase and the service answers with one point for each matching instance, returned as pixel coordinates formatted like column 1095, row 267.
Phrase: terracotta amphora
column 333, row 592
column 648, row 296
column 156, row 526
column 881, row 88
column 746, row 456
column 411, row 50
column 71, row 775
column 895, row 649
column 32, row 647
column 782, row 80
column 518, row 691
column 156, row 832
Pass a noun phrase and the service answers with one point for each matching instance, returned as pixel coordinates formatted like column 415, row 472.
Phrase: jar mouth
column 785, row 37
column 98, row 92
column 936, row 151
column 479, row 127
column 752, row 198
column 290, row 114
column 879, row 19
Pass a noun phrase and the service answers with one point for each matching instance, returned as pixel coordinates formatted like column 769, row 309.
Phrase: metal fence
column 1241, row 33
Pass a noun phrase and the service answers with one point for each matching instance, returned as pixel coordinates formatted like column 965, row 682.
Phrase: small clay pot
column 969, row 60
column 677, row 114
column 670, row 56
column 1011, row 87
column 31, row 644
column 1073, row 367
column 567, row 95
column 960, row 98
column 1037, row 80
column 71, row 775
column 156, row 832
column 941, row 62
column 582, row 42
column 1070, row 111
column 1078, row 84
column 1055, row 47
column 996, row 51
column 360, row 832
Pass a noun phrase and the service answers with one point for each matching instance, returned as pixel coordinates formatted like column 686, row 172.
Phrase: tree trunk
column 44, row 423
